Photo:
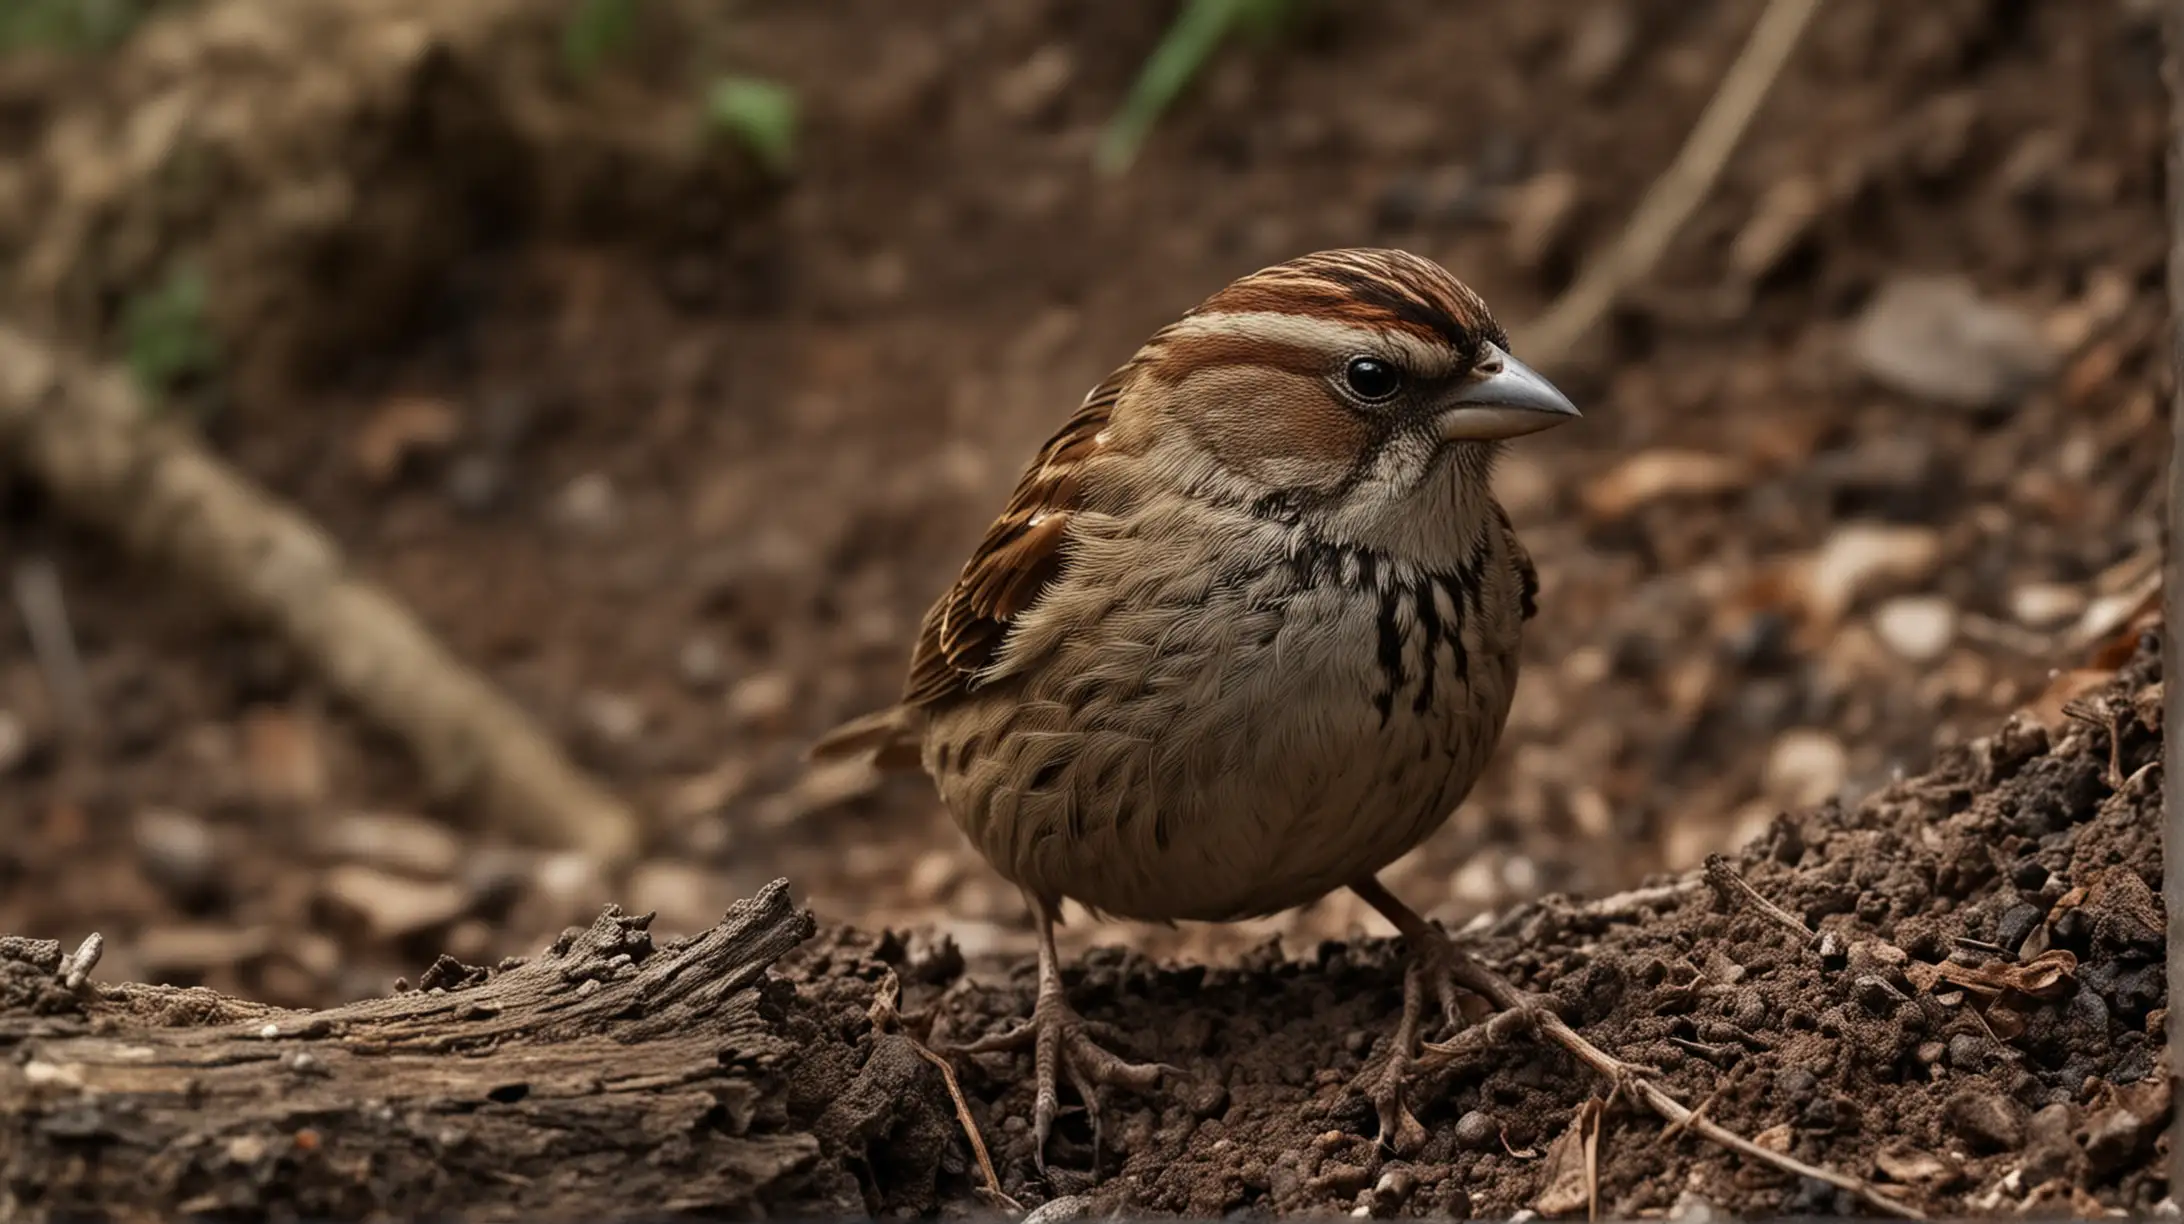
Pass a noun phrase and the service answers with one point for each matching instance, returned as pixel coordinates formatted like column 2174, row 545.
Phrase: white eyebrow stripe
column 1322, row 335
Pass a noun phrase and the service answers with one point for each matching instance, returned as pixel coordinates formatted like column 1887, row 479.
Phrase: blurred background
column 666, row 357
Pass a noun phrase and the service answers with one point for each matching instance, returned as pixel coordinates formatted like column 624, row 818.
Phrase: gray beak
column 1504, row 398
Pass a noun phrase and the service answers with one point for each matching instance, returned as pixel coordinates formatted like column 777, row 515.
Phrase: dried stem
column 886, row 1014
column 1669, row 203
column 1725, row 879
column 1474, row 976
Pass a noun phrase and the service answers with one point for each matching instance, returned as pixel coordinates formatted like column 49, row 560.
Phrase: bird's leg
column 1062, row 1044
column 1437, row 964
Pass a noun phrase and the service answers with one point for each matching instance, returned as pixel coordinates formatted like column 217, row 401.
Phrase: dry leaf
column 1571, row 1179
column 1651, row 475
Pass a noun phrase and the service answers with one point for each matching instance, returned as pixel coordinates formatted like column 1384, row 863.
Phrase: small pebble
column 2045, row 605
column 615, row 719
column 1805, row 767
column 178, row 852
column 700, row 664
column 1919, row 628
column 1985, row 1120
column 1967, row 1051
column 1936, row 338
column 762, row 700
column 2017, row 922
column 1476, row 1130
column 589, row 504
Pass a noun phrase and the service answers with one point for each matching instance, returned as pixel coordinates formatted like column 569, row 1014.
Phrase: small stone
column 1861, row 557
column 1660, row 474
column 393, row 841
column 2124, row 1131
column 1059, row 1209
column 589, row 505
column 1806, row 767
column 1796, row 1084
column 1919, row 628
column 1910, row 1165
column 2045, row 605
column 2051, row 1146
column 178, row 852
column 1985, row 1120
column 689, row 898
column 762, row 700
column 1477, row 1131
column 1967, row 1051
column 933, row 876
column 389, row 907
column 570, row 878
column 1394, row 1189
column 2016, row 923
column 1935, row 338
column 700, row 664
column 614, row 719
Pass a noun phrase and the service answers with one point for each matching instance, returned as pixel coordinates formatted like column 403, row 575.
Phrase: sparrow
column 1246, row 632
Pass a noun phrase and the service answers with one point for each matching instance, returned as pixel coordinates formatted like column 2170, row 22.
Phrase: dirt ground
column 678, row 453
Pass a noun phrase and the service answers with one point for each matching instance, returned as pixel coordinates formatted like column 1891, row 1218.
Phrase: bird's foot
column 1445, row 973
column 1062, row 1043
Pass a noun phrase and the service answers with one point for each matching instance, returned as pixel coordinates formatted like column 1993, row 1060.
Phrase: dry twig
column 1474, row 976
column 1669, row 203
column 886, row 1014
column 1725, row 880
column 81, row 432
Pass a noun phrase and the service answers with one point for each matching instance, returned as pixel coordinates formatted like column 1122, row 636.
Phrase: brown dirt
column 679, row 456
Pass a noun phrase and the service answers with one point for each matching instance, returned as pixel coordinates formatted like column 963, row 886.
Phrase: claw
column 1063, row 1043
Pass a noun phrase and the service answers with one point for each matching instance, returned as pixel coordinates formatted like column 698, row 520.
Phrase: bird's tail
column 894, row 736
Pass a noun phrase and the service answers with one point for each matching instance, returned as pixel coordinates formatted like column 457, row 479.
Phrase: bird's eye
column 1370, row 378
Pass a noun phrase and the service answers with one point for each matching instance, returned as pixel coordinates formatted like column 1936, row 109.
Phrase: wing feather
column 1020, row 557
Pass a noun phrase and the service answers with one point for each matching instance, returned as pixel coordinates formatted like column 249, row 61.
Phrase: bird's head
column 1367, row 389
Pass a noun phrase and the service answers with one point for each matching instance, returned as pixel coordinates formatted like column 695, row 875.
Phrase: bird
column 1246, row 631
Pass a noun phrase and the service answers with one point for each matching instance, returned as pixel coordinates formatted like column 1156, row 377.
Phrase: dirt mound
column 1976, row 1027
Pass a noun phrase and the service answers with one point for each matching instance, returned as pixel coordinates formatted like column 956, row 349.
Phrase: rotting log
column 604, row 1078
column 80, row 430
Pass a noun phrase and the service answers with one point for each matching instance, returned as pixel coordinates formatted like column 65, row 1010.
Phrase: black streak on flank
column 1391, row 652
column 1429, row 632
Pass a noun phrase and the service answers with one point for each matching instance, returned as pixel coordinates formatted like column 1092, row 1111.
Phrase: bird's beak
column 1503, row 398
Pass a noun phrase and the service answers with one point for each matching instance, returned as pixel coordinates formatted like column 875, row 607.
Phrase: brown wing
column 1020, row 556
